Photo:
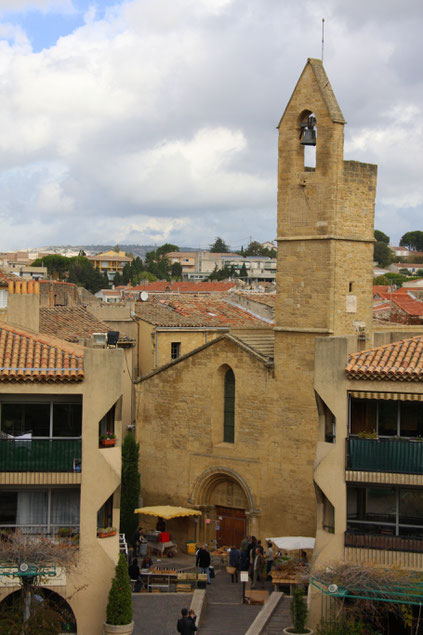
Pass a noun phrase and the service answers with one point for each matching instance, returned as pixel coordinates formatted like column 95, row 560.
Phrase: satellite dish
column 23, row 567
column 332, row 588
column 143, row 296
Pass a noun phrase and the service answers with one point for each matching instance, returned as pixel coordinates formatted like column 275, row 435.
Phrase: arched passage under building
column 47, row 608
column 228, row 506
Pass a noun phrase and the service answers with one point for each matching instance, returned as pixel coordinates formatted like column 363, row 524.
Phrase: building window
column 394, row 511
column 49, row 419
column 388, row 418
column 40, row 510
column 229, row 408
column 175, row 350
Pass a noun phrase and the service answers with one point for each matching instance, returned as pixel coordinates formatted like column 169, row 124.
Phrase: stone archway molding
column 207, row 481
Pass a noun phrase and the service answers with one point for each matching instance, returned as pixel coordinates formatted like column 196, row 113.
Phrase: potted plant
column 106, row 532
column 299, row 612
column 119, row 605
column 107, row 439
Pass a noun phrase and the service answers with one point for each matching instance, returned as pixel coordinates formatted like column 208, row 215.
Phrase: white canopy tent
column 289, row 543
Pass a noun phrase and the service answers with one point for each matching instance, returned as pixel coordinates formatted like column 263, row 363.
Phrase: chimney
column 23, row 305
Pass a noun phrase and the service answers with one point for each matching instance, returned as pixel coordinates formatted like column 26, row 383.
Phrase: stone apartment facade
column 62, row 397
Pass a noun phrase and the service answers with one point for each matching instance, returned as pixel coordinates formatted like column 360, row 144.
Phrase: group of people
column 252, row 558
column 134, row 571
column 186, row 623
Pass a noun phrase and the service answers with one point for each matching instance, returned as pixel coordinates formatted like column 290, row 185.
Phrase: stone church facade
column 231, row 428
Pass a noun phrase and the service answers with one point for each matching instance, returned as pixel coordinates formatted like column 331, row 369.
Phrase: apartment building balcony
column 388, row 455
column 383, row 539
column 40, row 455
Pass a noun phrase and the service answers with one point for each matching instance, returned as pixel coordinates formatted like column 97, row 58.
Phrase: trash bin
column 191, row 547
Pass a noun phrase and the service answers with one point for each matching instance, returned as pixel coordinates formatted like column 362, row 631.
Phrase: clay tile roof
column 195, row 311
column 5, row 278
column 70, row 323
column 403, row 300
column 183, row 287
column 262, row 298
column 400, row 361
column 27, row 357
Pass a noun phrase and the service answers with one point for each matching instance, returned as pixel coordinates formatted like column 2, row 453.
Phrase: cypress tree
column 130, row 487
column 119, row 605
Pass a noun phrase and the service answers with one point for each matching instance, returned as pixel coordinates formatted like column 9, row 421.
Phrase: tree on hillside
column 382, row 254
column 55, row 264
column 381, row 237
column 166, row 248
column 82, row 273
column 176, row 270
column 243, row 273
column 219, row 246
column 412, row 240
column 256, row 249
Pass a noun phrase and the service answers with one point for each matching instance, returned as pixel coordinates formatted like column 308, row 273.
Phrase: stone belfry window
column 229, row 408
column 308, row 139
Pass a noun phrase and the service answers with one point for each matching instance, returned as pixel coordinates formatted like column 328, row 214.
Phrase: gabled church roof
column 325, row 88
column 260, row 345
column 399, row 361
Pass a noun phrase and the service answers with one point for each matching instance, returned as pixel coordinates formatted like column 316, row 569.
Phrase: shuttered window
column 229, row 408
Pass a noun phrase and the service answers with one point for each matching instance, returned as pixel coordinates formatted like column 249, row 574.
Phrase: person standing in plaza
column 235, row 562
column 269, row 557
column 203, row 561
column 258, row 565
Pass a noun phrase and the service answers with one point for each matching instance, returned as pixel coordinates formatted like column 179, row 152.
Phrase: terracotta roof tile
column 400, row 361
column 26, row 357
column 161, row 286
column 262, row 298
column 195, row 311
column 71, row 323
column 5, row 278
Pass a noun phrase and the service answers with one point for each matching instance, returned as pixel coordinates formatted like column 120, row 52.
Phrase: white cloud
column 158, row 118
column 65, row 6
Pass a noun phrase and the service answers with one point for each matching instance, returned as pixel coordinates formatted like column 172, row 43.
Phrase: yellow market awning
column 167, row 511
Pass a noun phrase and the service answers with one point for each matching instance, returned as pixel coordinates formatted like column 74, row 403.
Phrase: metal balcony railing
column 387, row 543
column 384, row 455
column 40, row 455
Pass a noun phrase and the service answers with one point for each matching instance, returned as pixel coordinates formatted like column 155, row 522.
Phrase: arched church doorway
column 228, row 506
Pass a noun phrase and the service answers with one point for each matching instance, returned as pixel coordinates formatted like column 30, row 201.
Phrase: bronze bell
column 308, row 132
column 309, row 137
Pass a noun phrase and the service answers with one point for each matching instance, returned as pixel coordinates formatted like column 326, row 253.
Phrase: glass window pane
column 411, row 419
column 363, row 415
column 352, row 501
column 18, row 419
column 381, row 504
column 67, row 420
column 411, row 506
column 388, row 418
column 37, row 419
column 64, row 507
column 8, row 505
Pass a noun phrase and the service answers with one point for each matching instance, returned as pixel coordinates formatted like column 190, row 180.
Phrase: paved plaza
column 157, row 613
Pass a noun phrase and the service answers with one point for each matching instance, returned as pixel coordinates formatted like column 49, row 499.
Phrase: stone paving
column 157, row 613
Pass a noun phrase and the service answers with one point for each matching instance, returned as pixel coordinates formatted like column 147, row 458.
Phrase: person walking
column 135, row 574
column 235, row 562
column 186, row 624
column 269, row 558
column 203, row 561
column 257, row 566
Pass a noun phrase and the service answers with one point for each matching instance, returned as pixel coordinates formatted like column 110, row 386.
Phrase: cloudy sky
column 148, row 121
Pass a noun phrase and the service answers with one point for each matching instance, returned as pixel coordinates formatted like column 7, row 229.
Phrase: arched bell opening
column 46, row 610
column 307, row 135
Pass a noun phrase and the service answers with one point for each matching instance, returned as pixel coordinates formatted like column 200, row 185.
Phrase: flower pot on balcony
column 106, row 534
column 290, row 631
column 106, row 443
column 122, row 629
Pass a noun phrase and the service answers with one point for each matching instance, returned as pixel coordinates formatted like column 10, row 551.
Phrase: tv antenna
column 323, row 36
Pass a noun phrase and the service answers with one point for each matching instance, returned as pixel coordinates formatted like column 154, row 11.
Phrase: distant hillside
column 137, row 250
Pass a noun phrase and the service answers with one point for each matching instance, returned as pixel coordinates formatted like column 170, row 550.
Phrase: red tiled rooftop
column 195, row 311
column 5, row 278
column 400, row 361
column 27, row 357
column 70, row 323
column 161, row 286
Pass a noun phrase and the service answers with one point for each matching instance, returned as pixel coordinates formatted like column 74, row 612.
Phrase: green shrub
column 119, row 606
column 345, row 626
column 130, row 487
column 298, row 610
